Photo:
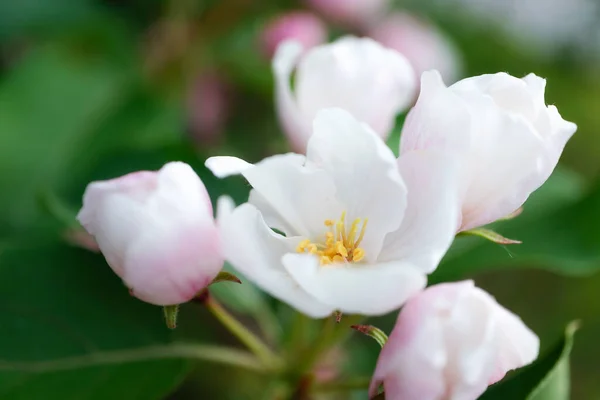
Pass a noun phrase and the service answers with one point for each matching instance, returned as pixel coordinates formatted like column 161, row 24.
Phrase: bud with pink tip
column 421, row 43
column 451, row 342
column 301, row 26
column 156, row 231
column 355, row 13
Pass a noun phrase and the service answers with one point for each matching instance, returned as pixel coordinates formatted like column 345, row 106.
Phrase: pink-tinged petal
column 295, row 124
column 364, row 172
column 302, row 26
column 421, row 43
column 355, row 13
column 356, row 288
column 172, row 268
column 450, row 342
column 156, row 231
column 433, row 212
column 256, row 251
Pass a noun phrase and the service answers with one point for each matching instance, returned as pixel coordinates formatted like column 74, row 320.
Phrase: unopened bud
column 303, row 27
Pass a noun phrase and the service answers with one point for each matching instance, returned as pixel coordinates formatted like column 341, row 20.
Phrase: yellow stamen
column 341, row 246
column 302, row 245
column 341, row 249
column 337, row 258
column 362, row 232
column 358, row 254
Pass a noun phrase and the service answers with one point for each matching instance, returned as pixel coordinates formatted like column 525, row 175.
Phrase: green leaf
column 71, row 329
column 490, row 235
column 49, row 103
column 545, row 379
column 559, row 233
column 24, row 16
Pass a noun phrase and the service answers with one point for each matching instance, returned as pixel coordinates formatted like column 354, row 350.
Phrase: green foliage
column 557, row 228
column 546, row 379
column 71, row 330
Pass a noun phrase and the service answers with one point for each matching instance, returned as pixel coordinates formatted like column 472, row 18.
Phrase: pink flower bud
column 355, row 13
column 301, row 26
column 208, row 108
column 422, row 44
column 156, row 231
column 450, row 342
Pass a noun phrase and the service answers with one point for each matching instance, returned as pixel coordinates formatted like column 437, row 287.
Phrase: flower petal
column 433, row 212
column 295, row 124
column 371, row 82
column 364, row 172
column 224, row 166
column 439, row 121
column 356, row 288
column 256, row 251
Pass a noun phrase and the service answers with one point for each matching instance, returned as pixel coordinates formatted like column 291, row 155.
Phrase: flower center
column 341, row 243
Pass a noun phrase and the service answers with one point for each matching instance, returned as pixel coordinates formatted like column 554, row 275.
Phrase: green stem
column 217, row 354
column 331, row 333
column 249, row 339
column 357, row 383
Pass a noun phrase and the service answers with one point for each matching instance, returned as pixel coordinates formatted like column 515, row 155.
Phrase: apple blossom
column 302, row 26
column 450, row 342
column 156, row 231
column 357, row 74
column 509, row 141
column 356, row 229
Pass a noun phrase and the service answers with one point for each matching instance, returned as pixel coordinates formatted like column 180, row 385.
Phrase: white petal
column 359, row 75
column 364, row 171
column 356, row 288
column 503, row 166
column 256, row 251
column 440, row 119
column 303, row 196
column 224, row 166
column 295, row 124
column 433, row 213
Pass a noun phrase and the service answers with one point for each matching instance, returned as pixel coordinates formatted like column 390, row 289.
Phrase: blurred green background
column 92, row 89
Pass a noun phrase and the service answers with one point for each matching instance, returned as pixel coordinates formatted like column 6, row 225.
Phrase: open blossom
column 421, row 43
column 361, row 76
column 302, row 26
column 509, row 141
column 156, row 231
column 355, row 229
column 451, row 342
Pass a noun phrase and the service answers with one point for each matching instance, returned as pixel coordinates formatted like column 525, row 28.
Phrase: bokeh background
column 92, row 89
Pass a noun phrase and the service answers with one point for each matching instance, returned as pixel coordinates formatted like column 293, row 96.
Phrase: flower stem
column 192, row 351
column 331, row 333
column 249, row 339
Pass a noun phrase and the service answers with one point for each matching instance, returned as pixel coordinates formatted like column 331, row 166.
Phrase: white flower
column 359, row 229
column 156, row 231
column 450, row 342
column 359, row 75
column 509, row 141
